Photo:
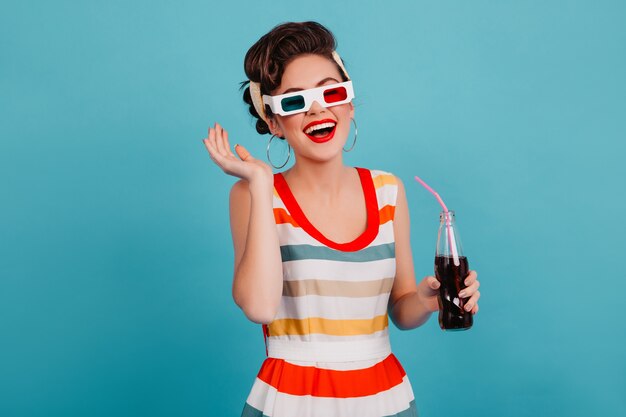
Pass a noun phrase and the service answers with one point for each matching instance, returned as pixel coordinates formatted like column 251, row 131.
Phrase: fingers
column 217, row 155
column 217, row 143
column 243, row 153
column 219, row 140
column 227, row 144
column 472, row 302
column 471, row 283
column 432, row 282
column 209, row 142
column 470, row 278
column 468, row 291
column 471, row 291
column 428, row 291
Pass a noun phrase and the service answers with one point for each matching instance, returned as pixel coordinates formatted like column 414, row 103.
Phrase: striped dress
column 328, row 346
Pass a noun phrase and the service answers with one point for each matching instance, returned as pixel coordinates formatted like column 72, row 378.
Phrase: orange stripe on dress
column 293, row 379
column 282, row 217
column 386, row 213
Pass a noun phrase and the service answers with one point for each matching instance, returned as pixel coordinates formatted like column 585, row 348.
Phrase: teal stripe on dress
column 371, row 253
column 249, row 411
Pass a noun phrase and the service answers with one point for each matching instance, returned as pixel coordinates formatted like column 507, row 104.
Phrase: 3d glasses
column 300, row 101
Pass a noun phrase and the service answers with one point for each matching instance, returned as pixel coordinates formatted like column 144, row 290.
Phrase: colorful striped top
column 328, row 345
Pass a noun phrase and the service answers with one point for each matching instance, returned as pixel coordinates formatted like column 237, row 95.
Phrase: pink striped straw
column 451, row 240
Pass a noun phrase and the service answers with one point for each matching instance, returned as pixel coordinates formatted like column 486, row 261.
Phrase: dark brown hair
column 266, row 60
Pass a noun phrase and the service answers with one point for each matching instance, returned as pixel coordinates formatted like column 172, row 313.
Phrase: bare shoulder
column 382, row 178
column 400, row 185
column 239, row 187
column 239, row 198
column 402, row 211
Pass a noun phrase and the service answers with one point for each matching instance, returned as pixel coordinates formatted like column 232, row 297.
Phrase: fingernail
column 468, row 307
column 462, row 294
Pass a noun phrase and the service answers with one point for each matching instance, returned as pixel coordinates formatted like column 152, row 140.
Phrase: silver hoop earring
column 355, row 135
column 270, row 159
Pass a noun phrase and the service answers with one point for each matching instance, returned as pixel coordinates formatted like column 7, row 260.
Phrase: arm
column 410, row 304
column 258, row 276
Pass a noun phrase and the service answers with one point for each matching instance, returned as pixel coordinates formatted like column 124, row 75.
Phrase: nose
column 316, row 108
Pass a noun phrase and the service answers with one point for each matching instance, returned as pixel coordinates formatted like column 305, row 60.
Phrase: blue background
column 115, row 250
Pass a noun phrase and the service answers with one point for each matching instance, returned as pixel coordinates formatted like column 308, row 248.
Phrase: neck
column 320, row 178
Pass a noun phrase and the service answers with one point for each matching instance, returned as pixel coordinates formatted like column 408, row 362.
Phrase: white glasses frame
column 310, row 95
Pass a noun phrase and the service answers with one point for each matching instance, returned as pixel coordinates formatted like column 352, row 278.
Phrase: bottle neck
column 448, row 240
column 446, row 218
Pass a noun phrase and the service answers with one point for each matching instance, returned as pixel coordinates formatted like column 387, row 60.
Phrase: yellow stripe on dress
column 384, row 179
column 332, row 327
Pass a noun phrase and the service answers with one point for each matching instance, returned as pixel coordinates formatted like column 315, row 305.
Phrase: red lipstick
column 322, row 139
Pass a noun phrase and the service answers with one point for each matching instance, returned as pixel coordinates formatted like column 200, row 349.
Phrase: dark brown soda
column 452, row 315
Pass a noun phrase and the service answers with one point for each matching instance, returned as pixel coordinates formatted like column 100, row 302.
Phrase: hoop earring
column 270, row 159
column 355, row 135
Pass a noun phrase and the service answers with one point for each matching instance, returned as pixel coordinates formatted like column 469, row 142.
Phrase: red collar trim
column 371, row 203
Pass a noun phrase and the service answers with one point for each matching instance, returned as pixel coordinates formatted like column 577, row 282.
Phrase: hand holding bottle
column 458, row 293
column 458, row 286
column 428, row 292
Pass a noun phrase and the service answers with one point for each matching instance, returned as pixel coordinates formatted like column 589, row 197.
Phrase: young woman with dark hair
column 322, row 250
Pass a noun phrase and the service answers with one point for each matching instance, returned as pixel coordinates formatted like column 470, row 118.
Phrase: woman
column 322, row 250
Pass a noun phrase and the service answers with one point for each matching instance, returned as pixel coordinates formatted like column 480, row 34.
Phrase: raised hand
column 245, row 167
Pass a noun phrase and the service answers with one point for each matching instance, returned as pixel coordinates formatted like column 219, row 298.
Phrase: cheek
column 347, row 115
column 347, row 111
column 345, row 129
column 292, row 123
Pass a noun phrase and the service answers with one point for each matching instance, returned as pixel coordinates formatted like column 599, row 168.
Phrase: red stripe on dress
column 293, row 379
column 371, row 204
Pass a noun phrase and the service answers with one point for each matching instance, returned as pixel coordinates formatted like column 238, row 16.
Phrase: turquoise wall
column 115, row 251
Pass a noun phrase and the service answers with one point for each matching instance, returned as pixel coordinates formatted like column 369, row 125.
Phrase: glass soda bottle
column 451, row 269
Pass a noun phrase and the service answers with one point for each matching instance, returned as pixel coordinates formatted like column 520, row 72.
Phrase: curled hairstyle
column 266, row 60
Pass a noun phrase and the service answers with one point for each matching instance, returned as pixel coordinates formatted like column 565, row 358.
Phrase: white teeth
column 318, row 127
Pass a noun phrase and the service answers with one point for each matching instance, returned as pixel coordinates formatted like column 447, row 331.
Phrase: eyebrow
column 318, row 84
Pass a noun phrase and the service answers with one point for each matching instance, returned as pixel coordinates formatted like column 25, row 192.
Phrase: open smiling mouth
column 321, row 131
